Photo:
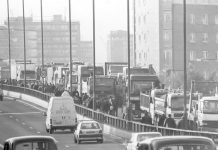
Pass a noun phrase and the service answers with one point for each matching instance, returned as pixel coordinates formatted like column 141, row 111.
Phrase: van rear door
column 57, row 113
column 69, row 115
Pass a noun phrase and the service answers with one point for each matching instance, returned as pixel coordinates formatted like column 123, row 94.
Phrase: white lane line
column 24, row 113
column 1, row 146
column 67, row 146
column 23, row 123
column 38, row 132
column 31, row 105
column 31, row 128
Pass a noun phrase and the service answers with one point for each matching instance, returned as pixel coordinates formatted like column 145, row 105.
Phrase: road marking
column 1, row 146
column 17, row 120
column 24, row 113
column 31, row 128
column 67, row 146
column 31, row 105
column 23, row 123
column 38, row 132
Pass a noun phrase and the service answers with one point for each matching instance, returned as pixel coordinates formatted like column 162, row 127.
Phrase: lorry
column 19, row 73
column 204, row 111
column 114, row 68
column 162, row 101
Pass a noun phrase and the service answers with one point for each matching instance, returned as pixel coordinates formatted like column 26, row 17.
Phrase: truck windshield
column 138, row 86
column 116, row 69
column 177, row 103
column 210, row 107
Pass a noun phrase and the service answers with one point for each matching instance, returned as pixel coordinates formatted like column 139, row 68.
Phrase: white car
column 88, row 130
column 138, row 137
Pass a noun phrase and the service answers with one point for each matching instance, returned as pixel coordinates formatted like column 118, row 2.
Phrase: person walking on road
column 170, row 122
column 162, row 120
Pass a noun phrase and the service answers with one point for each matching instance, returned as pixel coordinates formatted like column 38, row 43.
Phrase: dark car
column 177, row 143
column 30, row 142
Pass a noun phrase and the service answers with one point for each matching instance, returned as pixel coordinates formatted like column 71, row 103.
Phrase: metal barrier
column 111, row 120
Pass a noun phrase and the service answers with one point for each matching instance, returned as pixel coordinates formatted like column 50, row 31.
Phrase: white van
column 61, row 114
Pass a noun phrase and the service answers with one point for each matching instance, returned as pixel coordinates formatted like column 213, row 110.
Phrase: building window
column 205, row 37
column 216, row 19
column 192, row 55
column 205, row 54
column 166, row 36
column 205, row 19
column 167, row 17
column 192, row 38
column 192, row 19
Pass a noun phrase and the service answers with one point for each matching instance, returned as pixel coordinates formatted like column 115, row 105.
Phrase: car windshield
column 210, row 107
column 91, row 125
column 35, row 145
column 186, row 147
column 142, row 137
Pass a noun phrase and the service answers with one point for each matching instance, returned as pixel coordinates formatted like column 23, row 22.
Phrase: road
column 18, row 118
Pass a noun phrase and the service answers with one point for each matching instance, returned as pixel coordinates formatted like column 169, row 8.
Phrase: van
column 61, row 114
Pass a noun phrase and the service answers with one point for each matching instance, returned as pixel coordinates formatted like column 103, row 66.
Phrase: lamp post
column 9, row 40
column 24, row 44
column 185, row 69
column 42, row 43
column 93, row 11
column 128, row 47
column 70, row 46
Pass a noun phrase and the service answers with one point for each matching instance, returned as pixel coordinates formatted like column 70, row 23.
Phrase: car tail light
column 100, row 131
column 50, row 121
column 80, row 132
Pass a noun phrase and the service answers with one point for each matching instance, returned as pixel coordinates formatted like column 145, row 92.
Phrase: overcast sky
column 110, row 15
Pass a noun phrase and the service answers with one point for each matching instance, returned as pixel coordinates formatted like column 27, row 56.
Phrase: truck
column 114, row 68
column 18, row 71
column 162, row 101
column 204, row 111
column 4, row 73
column 104, row 87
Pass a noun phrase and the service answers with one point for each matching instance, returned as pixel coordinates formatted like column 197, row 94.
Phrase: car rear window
column 91, row 125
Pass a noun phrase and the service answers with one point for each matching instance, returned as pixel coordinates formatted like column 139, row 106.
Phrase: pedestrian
column 182, row 123
column 162, row 120
column 146, row 119
column 170, row 122
column 193, row 124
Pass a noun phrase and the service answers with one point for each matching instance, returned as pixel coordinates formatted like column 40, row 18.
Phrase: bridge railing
column 116, row 122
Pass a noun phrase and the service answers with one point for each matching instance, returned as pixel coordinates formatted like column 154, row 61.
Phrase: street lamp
column 9, row 40
column 70, row 46
column 24, row 44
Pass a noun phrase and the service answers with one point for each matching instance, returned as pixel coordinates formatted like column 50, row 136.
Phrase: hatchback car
column 177, row 143
column 138, row 137
column 88, row 131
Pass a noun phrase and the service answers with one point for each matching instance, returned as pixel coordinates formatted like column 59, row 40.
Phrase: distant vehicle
column 84, row 72
column 61, row 114
column 30, row 143
column 138, row 137
column 1, row 94
column 177, row 143
column 88, row 131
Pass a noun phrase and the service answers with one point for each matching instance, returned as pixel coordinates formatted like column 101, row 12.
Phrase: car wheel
column 100, row 141
column 78, row 141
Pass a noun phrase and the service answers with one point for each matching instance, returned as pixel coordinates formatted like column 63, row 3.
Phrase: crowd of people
column 170, row 122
